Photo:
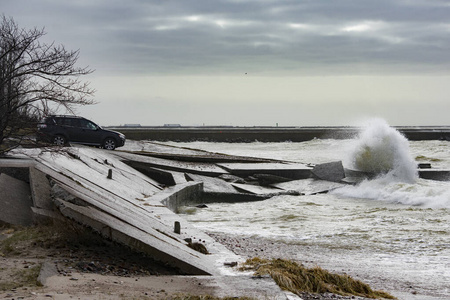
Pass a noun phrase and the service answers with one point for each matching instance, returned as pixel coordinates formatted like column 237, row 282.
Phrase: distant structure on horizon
column 132, row 125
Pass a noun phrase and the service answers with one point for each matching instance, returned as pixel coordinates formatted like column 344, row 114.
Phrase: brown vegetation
column 295, row 278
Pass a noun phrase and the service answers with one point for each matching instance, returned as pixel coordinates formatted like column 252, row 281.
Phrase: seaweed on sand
column 296, row 278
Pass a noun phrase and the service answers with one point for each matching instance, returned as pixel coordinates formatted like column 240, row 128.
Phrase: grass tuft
column 26, row 277
column 295, row 278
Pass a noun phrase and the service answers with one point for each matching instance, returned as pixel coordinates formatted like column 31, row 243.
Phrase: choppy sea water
column 392, row 231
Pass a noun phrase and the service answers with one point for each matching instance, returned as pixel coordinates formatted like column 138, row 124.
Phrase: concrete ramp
column 101, row 192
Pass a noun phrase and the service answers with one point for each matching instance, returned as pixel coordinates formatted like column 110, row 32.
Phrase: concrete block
column 332, row 171
column 40, row 190
column 48, row 270
column 435, row 174
column 15, row 201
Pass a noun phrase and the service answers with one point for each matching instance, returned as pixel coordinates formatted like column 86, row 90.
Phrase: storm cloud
column 263, row 37
column 267, row 38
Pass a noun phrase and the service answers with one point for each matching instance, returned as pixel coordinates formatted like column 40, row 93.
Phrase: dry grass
column 295, row 278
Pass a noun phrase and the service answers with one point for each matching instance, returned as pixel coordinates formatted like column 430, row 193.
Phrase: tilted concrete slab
column 128, row 208
column 151, row 242
column 287, row 170
column 15, row 201
column 178, row 153
column 211, row 184
column 256, row 189
column 217, row 190
column 309, row 186
column 161, row 176
column 207, row 169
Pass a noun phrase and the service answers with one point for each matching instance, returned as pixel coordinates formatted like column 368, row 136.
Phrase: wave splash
column 384, row 152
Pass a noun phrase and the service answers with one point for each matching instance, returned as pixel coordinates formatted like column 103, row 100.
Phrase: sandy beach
column 86, row 266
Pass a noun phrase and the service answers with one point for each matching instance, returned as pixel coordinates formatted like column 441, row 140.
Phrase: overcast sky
column 255, row 62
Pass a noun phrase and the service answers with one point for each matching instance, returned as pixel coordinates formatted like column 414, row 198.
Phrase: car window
column 63, row 121
column 87, row 124
column 74, row 122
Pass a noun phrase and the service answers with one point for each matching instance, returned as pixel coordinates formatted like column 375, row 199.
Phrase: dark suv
column 61, row 130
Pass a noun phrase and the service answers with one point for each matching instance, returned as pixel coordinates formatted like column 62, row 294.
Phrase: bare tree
column 35, row 79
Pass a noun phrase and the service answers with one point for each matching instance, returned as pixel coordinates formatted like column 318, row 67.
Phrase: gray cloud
column 275, row 37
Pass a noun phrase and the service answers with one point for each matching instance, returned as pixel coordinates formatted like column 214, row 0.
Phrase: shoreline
column 312, row 256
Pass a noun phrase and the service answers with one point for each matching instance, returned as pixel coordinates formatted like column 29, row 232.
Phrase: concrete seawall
column 268, row 134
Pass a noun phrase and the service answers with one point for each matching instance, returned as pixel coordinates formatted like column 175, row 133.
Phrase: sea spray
column 382, row 150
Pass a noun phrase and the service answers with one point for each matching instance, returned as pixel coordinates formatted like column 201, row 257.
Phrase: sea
column 392, row 230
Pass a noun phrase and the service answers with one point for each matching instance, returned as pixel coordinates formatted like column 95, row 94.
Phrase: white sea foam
column 383, row 150
column 423, row 193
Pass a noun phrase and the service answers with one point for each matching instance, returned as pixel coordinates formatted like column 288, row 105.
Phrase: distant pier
column 267, row 134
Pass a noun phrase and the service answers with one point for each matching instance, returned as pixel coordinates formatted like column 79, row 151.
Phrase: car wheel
column 109, row 144
column 59, row 140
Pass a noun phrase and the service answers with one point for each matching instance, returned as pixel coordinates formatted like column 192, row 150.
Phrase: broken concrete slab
column 127, row 208
column 185, row 154
column 268, row 179
column 232, row 178
column 332, row 171
column 256, row 189
column 216, row 190
column 206, row 169
column 161, row 176
column 435, row 174
column 287, row 170
column 153, row 243
column 15, row 201
column 309, row 186
column 219, row 191
column 212, row 184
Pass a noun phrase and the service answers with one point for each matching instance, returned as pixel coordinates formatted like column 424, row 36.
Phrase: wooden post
column 177, row 228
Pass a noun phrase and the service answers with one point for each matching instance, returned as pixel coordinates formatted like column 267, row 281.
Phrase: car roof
column 64, row 116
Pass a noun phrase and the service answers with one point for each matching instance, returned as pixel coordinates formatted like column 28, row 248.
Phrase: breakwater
column 268, row 134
